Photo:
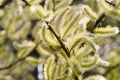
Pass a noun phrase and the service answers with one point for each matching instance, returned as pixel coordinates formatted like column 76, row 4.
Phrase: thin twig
column 97, row 22
column 19, row 60
column 59, row 40
column 26, row 2
column 110, row 2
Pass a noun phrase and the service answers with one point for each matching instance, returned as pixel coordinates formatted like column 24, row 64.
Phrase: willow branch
column 59, row 40
column 26, row 2
column 110, row 2
column 97, row 22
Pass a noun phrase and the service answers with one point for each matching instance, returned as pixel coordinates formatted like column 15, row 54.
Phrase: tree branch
column 26, row 2
column 97, row 22
column 102, row 16
column 59, row 40
column 110, row 2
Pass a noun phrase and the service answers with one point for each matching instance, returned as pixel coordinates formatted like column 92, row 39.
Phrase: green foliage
column 68, row 38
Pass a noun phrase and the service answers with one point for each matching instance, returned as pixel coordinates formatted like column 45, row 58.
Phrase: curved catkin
column 107, row 31
column 74, row 20
column 55, row 19
column 90, row 12
column 54, row 74
column 91, row 63
column 38, row 9
column 34, row 1
column 42, row 51
column 74, row 44
column 76, row 66
column 48, row 68
column 33, row 60
column 60, row 18
column 49, row 5
column 24, row 48
column 8, row 59
column 92, row 44
column 79, row 40
column 83, row 51
column 60, row 70
column 63, row 3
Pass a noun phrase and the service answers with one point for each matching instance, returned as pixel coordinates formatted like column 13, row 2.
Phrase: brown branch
column 19, row 60
column 110, row 2
column 97, row 22
column 102, row 16
column 6, row 2
column 59, row 40
column 26, row 2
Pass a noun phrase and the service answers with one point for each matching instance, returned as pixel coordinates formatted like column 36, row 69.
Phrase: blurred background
column 18, row 35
